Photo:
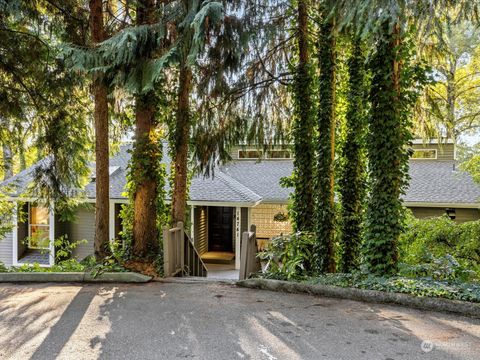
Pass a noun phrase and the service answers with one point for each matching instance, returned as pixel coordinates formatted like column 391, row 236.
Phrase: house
column 242, row 192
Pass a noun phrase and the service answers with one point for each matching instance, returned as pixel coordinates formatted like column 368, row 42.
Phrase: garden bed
column 445, row 299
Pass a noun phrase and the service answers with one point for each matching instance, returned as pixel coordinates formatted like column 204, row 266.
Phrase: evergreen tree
column 145, row 157
column 43, row 104
column 207, row 48
column 102, row 179
column 391, row 100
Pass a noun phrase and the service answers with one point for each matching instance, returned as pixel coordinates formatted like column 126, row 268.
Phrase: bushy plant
column 289, row 256
column 438, row 268
column 3, row 268
column 64, row 248
column 440, row 248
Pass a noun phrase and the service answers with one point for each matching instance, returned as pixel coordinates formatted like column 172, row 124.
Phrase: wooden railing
column 180, row 257
column 249, row 262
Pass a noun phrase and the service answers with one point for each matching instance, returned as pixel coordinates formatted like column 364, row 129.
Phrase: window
column 39, row 228
column 424, row 154
column 250, row 154
column 451, row 213
column 278, row 154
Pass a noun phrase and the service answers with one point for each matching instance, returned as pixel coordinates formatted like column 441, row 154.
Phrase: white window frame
column 38, row 225
column 425, row 150
column 51, row 221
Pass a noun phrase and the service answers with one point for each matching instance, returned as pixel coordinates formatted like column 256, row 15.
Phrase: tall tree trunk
column 303, row 200
column 7, row 161
column 102, row 181
column 145, row 233
column 352, row 180
column 388, row 160
column 145, row 160
column 325, row 206
column 451, row 99
column 21, row 155
column 182, row 137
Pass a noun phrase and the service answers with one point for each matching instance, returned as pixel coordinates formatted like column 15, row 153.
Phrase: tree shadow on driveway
column 61, row 332
column 219, row 321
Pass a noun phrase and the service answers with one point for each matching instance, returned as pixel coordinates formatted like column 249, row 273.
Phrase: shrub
column 3, row 268
column 289, row 256
column 64, row 248
column 440, row 248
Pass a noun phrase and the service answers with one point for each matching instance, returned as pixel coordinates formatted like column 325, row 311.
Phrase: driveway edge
column 424, row 303
column 33, row 277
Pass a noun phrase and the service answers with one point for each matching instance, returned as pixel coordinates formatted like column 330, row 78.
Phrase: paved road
column 217, row 321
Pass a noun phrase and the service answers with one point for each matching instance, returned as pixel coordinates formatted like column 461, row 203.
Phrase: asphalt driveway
column 218, row 321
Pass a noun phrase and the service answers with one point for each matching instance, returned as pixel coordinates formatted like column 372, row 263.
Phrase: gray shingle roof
column 245, row 181
column 262, row 177
column 218, row 188
column 18, row 183
column 221, row 188
column 438, row 182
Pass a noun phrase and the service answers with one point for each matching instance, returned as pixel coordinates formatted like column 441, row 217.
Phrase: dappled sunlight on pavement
column 218, row 321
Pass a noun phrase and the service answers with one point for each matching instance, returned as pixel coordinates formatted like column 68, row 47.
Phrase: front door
column 220, row 229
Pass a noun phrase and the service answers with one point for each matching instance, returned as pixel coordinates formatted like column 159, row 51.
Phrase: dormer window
column 424, row 154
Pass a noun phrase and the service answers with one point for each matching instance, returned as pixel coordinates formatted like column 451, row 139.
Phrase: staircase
column 180, row 256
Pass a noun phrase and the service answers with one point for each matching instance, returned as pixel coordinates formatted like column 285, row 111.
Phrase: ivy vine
column 352, row 181
column 324, row 185
column 392, row 99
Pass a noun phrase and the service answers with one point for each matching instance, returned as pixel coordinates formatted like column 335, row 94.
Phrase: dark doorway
column 220, row 229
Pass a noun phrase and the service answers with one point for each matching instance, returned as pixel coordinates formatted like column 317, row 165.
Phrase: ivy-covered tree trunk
column 102, row 185
column 144, row 174
column 303, row 129
column 324, row 191
column 182, row 139
column 145, row 160
column 388, row 160
column 352, row 180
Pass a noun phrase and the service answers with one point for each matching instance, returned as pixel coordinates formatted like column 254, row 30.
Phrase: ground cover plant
column 437, row 257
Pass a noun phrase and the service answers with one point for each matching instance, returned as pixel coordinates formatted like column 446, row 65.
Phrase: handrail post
column 166, row 252
column 181, row 235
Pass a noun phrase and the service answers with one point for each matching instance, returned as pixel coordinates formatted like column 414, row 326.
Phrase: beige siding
column 201, row 229
column 461, row 215
column 6, row 249
column 262, row 218
column 444, row 151
column 83, row 228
